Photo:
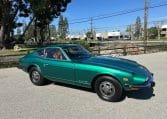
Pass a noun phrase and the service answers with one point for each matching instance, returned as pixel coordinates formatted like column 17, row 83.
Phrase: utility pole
column 131, row 31
column 91, row 28
column 145, row 24
column 91, row 25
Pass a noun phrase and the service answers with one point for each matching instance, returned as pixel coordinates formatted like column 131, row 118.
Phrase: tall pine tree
column 63, row 28
column 138, row 27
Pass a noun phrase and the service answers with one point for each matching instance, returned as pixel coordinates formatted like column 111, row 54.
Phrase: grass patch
column 12, row 52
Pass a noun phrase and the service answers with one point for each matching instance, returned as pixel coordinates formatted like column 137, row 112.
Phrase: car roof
column 63, row 45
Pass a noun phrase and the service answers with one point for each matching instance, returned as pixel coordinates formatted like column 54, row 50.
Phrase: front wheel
column 36, row 77
column 108, row 89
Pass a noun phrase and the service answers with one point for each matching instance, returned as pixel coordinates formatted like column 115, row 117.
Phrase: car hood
column 116, row 63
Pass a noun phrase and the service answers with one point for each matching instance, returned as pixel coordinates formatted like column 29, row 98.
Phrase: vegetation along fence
column 105, row 48
column 123, row 49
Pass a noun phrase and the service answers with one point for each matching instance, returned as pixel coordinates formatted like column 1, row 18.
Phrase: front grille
column 149, row 78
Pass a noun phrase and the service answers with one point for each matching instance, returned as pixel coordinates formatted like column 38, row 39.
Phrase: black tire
column 108, row 89
column 39, row 80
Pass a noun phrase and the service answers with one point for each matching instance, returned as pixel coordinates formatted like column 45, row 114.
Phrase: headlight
column 139, row 79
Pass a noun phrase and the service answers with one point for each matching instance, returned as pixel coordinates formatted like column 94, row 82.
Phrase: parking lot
column 20, row 99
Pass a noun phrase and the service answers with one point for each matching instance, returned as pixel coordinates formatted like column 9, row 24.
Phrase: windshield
column 76, row 52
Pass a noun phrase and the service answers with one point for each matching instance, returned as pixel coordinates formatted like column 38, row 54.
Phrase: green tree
column 10, row 10
column 60, row 26
column 45, row 11
column 30, row 32
column 89, row 35
column 130, row 30
column 53, row 31
column 66, row 27
column 63, row 27
column 158, row 25
column 138, row 27
column 153, row 32
column 42, row 12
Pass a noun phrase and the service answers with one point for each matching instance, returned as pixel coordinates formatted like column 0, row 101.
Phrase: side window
column 41, row 53
column 54, row 53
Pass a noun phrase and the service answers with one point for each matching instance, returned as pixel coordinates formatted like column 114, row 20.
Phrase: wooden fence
column 113, row 50
column 128, row 49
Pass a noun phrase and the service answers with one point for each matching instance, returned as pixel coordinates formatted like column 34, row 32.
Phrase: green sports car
column 108, row 76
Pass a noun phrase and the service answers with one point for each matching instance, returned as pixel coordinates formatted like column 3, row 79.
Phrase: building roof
column 115, row 33
column 164, row 26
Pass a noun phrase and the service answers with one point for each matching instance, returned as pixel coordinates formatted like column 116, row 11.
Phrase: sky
column 88, row 8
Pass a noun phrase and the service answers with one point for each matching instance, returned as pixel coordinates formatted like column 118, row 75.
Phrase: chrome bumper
column 149, row 84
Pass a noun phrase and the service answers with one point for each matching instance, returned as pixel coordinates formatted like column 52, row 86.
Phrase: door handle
column 46, row 64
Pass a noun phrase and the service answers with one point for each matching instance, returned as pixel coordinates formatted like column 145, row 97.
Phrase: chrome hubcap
column 35, row 76
column 107, row 89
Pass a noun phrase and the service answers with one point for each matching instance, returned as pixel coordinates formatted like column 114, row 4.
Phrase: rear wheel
column 108, row 89
column 36, row 77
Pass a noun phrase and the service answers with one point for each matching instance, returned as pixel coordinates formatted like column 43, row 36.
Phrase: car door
column 56, row 68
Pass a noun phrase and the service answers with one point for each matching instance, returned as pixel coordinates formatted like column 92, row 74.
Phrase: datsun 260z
column 108, row 76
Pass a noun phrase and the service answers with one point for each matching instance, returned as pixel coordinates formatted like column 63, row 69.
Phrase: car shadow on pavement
column 74, row 87
column 143, row 94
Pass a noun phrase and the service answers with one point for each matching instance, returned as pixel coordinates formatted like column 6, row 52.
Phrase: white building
column 164, row 31
column 102, row 36
column 82, row 37
column 74, row 37
column 114, row 35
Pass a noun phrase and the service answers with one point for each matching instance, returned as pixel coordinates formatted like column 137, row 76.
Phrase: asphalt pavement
column 20, row 99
